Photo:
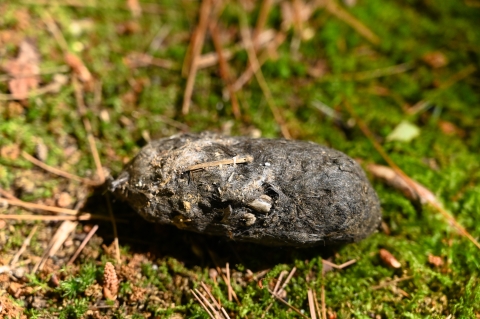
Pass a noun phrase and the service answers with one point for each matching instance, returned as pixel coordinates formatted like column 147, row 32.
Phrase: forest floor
column 85, row 84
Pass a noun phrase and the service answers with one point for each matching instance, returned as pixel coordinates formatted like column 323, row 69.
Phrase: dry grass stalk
column 462, row 74
column 288, row 305
column 324, row 306
column 229, row 284
column 423, row 193
column 224, row 69
column 262, row 20
column 110, row 282
column 57, row 171
column 202, row 303
column 53, row 209
column 336, row 10
column 290, row 275
column 25, row 244
column 252, row 57
column 220, row 310
column 317, row 308
column 84, row 216
column 83, row 244
column 311, row 304
column 264, row 56
column 345, row 264
column 60, row 236
column 197, row 40
column 115, row 232
column 82, row 110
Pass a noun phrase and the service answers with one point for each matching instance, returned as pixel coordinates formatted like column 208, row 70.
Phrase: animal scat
column 271, row 192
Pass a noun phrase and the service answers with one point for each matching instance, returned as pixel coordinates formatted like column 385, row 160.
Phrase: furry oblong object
column 266, row 191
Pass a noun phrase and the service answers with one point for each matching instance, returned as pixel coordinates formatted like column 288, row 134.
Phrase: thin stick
column 229, row 285
column 317, row 308
column 197, row 46
column 6, row 194
column 82, row 110
column 202, row 304
column 56, row 171
column 53, row 209
column 290, row 275
column 345, row 264
column 391, row 282
column 83, row 216
column 25, row 244
column 431, row 199
column 252, row 57
column 451, row 81
column 288, row 305
column 324, row 307
column 83, row 244
column 334, row 9
column 205, row 300
column 262, row 20
column 311, row 304
column 279, row 281
column 225, row 279
column 224, row 70
column 209, row 293
column 235, row 160
column 146, row 7
column 115, row 232
column 225, row 313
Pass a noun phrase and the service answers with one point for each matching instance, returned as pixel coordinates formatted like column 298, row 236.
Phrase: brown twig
column 420, row 105
column 202, row 304
column 146, row 7
column 290, row 275
column 205, row 300
column 53, row 209
column 252, row 57
column 6, row 194
column 264, row 56
column 288, row 305
column 57, row 171
column 317, row 308
column 82, row 110
column 423, row 192
column 311, row 304
column 262, row 20
column 83, row 216
column 198, row 39
column 83, row 244
column 324, row 307
column 336, row 10
column 25, row 244
column 224, row 69
column 229, row 285
column 345, row 264
column 62, row 233
column 115, row 232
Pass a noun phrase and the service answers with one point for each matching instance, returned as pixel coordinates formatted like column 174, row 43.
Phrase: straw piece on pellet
column 271, row 192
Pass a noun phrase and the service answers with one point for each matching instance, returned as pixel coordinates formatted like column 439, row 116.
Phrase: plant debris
column 271, row 192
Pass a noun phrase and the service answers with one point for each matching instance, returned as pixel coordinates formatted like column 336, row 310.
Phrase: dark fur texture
column 292, row 193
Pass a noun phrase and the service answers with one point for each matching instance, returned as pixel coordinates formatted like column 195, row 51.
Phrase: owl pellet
column 266, row 191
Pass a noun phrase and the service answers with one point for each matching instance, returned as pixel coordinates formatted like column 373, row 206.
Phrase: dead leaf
column 410, row 188
column 78, row 67
column 435, row 59
column 24, row 71
column 389, row 259
column 435, row 260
